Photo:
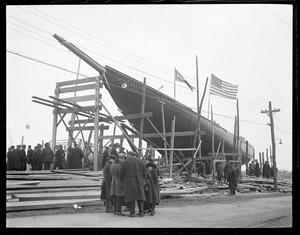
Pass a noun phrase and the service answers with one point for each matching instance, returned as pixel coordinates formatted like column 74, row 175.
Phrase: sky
column 249, row 45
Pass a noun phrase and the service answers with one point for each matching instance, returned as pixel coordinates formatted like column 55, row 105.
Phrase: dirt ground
column 168, row 204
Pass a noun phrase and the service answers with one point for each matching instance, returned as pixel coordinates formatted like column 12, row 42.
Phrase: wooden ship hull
column 127, row 94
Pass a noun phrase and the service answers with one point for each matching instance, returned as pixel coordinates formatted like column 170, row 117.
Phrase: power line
column 42, row 62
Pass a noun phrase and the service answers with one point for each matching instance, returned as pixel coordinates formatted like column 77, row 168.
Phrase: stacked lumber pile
column 263, row 184
column 32, row 190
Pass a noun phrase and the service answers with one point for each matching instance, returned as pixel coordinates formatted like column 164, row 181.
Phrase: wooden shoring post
column 100, row 148
column 262, row 160
column 54, row 127
column 247, row 169
column 114, row 133
column 267, row 155
column 193, row 161
column 96, row 123
column 127, row 137
column 223, row 146
column 142, row 119
column 70, row 137
column 213, row 144
column 165, row 142
column 172, row 146
column 164, row 130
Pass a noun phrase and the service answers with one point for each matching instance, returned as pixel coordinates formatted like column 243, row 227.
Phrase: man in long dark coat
column 23, row 158
column 37, row 158
column 59, row 158
column 76, row 158
column 152, row 189
column 201, row 169
column 9, row 158
column 133, row 174
column 16, row 163
column 266, row 170
column 257, row 169
column 233, row 179
column 117, row 192
column 29, row 156
column 47, row 156
column 106, row 185
column 227, row 169
column 105, row 156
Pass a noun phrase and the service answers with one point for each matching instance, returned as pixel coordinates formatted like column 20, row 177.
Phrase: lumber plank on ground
column 34, row 182
column 35, row 177
column 56, row 195
column 78, row 173
column 51, row 190
column 49, row 204
column 182, row 191
column 18, row 187
column 42, row 172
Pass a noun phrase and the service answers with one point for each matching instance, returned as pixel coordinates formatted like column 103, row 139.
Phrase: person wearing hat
column 59, row 157
column 233, row 179
column 16, row 161
column 105, row 156
column 9, row 158
column 37, row 158
column 75, row 158
column 227, row 169
column 133, row 174
column 201, row 169
column 152, row 189
column 117, row 192
column 23, row 158
column 106, row 185
column 47, row 156
column 257, row 169
column 29, row 157
column 266, row 170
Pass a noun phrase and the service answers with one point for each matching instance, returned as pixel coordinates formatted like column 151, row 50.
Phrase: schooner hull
column 127, row 94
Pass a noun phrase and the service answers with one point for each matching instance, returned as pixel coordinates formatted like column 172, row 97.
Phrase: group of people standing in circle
column 128, row 179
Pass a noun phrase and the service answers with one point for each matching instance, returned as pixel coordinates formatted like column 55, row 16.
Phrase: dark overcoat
column 266, row 170
column 9, row 160
column 227, row 169
column 76, row 158
column 16, row 160
column 257, row 169
column 48, row 155
column 29, row 156
column 133, row 174
column 152, row 190
column 106, row 182
column 23, row 160
column 117, row 187
column 232, row 179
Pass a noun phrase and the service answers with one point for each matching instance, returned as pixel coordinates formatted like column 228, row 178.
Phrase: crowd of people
column 41, row 158
column 128, row 180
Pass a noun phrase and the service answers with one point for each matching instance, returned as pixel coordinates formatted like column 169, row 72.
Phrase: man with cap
column 37, row 158
column 257, row 168
column 105, row 156
column 23, row 158
column 227, row 169
column 16, row 163
column 59, row 158
column 117, row 191
column 106, row 184
column 47, row 156
column 133, row 174
column 9, row 158
column 29, row 156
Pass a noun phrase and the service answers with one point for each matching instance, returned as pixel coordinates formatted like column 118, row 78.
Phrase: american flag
column 223, row 89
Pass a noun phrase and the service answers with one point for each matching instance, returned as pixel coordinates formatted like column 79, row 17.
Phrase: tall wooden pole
column 142, row 119
column 164, row 130
column 212, row 141
column 96, row 123
column 54, row 125
column 172, row 146
column 270, row 114
column 267, row 155
column 100, row 148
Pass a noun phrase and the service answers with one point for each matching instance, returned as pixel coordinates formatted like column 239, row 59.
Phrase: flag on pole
column 178, row 77
column 222, row 88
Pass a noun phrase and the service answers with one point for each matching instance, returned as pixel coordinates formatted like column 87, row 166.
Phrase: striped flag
column 223, row 89
column 178, row 77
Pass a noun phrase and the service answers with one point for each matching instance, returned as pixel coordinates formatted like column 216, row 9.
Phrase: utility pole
column 270, row 114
